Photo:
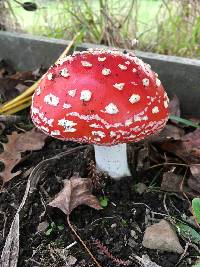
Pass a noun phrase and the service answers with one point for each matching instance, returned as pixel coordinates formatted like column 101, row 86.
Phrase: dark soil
column 127, row 212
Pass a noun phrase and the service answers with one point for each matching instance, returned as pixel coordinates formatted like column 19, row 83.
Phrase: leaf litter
column 13, row 83
column 16, row 145
column 76, row 192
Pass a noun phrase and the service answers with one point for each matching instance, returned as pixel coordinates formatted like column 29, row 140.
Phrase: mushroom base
column 112, row 160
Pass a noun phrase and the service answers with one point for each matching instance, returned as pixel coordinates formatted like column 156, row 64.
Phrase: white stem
column 113, row 160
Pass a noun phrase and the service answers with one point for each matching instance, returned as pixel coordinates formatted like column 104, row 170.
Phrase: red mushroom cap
column 101, row 97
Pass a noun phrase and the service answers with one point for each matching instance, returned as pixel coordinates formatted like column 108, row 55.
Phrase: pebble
column 113, row 225
column 132, row 243
column 42, row 226
column 162, row 236
column 140, row 188
column 71, row 260
column 133, row 234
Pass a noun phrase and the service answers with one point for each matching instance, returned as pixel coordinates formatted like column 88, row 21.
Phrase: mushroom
column 102, row 97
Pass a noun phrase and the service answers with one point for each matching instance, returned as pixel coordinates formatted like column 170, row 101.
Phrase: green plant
column 196, row 208
column 103, row 201
column 184, row 121
column 196, row 265
column 163, row 26
column 178, row 30
column 52, row 228
column 124, row 222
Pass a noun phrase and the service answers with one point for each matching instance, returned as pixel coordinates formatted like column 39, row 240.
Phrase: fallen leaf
column 194, row 180
column 174, row 106
column 188, row 148
column 18, row 143
column 192, row 142
column 24, row 75
column 171, row 182
column 7, row 89
column 12, row 83
column 76, row 191
column 169, row 132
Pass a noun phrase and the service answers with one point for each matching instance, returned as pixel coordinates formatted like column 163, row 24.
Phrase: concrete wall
column 180, row 76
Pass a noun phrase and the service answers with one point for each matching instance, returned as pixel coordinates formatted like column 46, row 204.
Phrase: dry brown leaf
column 174, row 106
column 192, row 142
column 25, row 75
column 76, row 191
column 7, row 88
column 18, row 143
column 194, row 180
column 188, row 148
column 169, row 132
column 171, row 182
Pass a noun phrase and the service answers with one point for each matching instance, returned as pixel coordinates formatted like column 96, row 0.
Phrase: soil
column 119, row 226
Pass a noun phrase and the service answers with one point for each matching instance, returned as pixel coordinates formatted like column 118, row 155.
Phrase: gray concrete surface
column 180, row 76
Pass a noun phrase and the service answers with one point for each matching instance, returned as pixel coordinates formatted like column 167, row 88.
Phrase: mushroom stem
column 113, row 160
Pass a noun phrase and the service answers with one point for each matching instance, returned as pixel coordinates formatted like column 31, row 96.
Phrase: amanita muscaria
column 101, row 97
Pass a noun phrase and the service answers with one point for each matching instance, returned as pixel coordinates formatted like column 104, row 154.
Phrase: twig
column 82, row 242
column 184, row 253
column 164, row 203
column 71, row 245
column 168, row 163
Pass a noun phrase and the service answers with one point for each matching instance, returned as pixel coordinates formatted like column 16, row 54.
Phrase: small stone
column 162, row 236
column 42, row 226
column 140, row 188
column 133, row 234
column 132, row 243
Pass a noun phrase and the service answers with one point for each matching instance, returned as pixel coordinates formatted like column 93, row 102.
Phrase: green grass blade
column 104, row 201
column 184, row 121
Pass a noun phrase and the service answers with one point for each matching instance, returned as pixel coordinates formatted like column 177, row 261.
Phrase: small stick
column 71, row 245
column 168, row 163
column 81, row 241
